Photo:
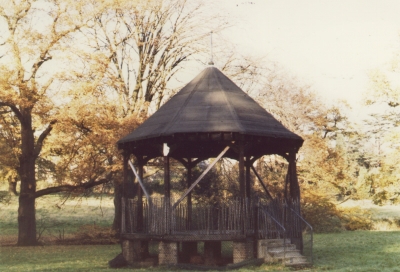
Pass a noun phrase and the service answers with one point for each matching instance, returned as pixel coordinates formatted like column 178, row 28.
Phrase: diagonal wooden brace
column 261, row 182
column 140, row 182
column 201, row 177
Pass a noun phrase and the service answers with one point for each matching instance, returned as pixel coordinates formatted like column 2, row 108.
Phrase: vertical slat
column 130, row 216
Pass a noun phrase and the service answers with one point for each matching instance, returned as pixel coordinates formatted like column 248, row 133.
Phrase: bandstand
column 211, row 117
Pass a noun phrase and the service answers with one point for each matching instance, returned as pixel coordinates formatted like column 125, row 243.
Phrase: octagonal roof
column 211, row 103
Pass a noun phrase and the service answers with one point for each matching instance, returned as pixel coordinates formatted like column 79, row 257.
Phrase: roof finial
column 211, row 62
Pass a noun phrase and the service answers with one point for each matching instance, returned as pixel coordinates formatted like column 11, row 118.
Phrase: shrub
column 321, row 213
column 324, row 216
column 386, row 224
column 355, row 218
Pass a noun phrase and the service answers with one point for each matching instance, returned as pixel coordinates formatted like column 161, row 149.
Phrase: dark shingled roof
column 210, row 103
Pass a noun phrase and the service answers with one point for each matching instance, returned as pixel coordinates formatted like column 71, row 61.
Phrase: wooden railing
column 233, row 217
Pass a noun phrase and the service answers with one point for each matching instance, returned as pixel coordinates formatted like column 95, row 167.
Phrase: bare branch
column 13, row 108
column 71, row 188
column 42, row 137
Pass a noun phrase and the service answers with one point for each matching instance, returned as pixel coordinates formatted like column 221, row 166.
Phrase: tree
column 380, row 175
column 139, row 50
column 33, row 43
column 143, row 46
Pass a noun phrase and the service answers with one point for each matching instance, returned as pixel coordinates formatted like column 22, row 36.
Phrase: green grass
column 357, row 251
column 57, row 258
column 54, row 216
column 346, row 251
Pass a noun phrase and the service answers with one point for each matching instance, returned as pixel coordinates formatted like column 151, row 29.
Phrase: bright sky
column 329, row 44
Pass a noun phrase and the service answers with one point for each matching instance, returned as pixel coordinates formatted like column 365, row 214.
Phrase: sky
column 331, row 45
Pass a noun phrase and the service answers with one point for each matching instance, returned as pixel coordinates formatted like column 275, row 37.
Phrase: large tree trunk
column 26, row 221
column 26, row 209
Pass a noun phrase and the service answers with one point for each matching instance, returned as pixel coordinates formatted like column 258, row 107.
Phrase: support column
column 248, row 178
column 131, row 250
column 125, row 173
column 167, row 185
column 294, row 183
column 294, row 222
column 167, row 195
column 241, row 172
column 140, row 199
column 189, row 196
column 144, row 245
column 243, row 250
column 189, row 249
column 168, row 253
column 119, row 195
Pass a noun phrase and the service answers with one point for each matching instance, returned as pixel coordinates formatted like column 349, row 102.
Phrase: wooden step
column 282, row 250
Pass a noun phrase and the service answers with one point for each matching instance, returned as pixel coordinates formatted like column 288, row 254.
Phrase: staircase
column 280, row 250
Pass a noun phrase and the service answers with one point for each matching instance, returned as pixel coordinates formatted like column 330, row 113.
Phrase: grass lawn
column 345, row 251
column 55, row 216
column 357, row 251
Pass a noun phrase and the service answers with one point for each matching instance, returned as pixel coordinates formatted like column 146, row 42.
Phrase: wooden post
column 121, row 193
column 294, row 183
column 295, row 199
column 167, row 195
column 189, row 249
column 189, row 196
column 241, row 172
column 125, row 173
column 255, row 239
column 140, row 199
column 167, row 185
column 248, row 178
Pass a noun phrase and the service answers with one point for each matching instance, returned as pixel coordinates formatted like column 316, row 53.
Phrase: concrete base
column 167, row 253
column 243, row 250
column 131, row 250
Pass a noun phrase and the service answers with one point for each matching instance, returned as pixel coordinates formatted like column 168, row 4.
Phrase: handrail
column 273, row 218
column 282, row 227
column 308, row 225
column 301, row 217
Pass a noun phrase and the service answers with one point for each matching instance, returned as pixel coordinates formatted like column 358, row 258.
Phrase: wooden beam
column 140, row 181
column 201, row 177
column 261, row 182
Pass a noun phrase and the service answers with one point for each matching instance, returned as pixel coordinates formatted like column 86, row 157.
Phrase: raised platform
column 188, row 236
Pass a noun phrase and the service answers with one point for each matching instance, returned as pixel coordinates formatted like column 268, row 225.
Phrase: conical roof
column 211, row 103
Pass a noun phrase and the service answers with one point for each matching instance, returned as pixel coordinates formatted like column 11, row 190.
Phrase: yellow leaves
column 384, row 85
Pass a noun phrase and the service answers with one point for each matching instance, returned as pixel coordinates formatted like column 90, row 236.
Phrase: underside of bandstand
column 211, row 118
